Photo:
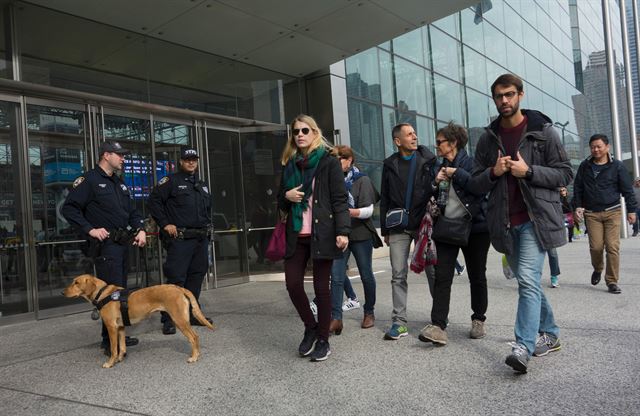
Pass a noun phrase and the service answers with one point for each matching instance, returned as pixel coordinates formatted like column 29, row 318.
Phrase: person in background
column 361, row 198
column 567, row 210
column 313, row 195
column 461, row 201
column 636, row 193
column 600, row 182
column 554, row 267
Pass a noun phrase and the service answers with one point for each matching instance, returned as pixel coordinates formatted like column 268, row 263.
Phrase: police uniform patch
column 78, row 181
column 163, row 180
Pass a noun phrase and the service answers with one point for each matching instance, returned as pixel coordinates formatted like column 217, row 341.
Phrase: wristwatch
column 529, row 174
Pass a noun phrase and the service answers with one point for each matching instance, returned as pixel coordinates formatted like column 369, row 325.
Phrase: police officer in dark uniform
column 100, row 206
column 180, row 205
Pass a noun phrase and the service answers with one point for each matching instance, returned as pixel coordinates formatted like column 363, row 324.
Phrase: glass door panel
column 57, row 140
column 225, row 175
column 261, row 174
column 134, row 134
column 168, row 139
column 15, row 296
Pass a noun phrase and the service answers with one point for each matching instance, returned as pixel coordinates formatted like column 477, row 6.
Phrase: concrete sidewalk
column 249, row 365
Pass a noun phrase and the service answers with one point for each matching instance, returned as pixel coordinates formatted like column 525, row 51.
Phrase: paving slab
column 249, row 365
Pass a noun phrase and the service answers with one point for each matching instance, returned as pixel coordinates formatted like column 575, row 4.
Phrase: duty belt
column 120, row 236
column 192, row 233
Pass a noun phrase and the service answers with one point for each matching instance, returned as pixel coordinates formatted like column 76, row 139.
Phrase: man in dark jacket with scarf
column 521, row 162
column 600, row 181
column 395, row 172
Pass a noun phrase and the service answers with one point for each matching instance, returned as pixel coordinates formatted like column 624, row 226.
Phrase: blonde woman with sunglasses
column 313, row 195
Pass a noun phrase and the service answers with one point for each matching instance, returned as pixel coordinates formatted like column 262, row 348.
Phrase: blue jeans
column 348, row 288
column 534, row 313
column 554, row 263
column 362, row 251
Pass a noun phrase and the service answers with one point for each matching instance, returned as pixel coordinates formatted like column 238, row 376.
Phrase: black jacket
column 602, row 192
column 475, row 203
column 97, row 200
column 330, row 214
column 392, row 195
column 541, row 148
column 182, row 200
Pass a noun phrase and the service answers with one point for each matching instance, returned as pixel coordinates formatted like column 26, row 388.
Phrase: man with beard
column 521, row 163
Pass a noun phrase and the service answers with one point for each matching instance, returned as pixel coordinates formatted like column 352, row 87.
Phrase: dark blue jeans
column 362, row 251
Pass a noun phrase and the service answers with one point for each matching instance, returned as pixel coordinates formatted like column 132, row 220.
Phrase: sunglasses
column 304, row 130
column 439, row 142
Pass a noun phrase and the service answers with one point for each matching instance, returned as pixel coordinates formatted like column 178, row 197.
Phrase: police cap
column 189, row 153
column 112, row 147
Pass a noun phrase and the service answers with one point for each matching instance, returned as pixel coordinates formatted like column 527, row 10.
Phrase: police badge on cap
column 189, row 153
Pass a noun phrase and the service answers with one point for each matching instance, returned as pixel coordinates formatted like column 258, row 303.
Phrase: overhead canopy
column 272, row 38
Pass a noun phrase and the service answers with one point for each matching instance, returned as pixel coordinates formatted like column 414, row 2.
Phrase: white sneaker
column 314, row 307
column 350, row 304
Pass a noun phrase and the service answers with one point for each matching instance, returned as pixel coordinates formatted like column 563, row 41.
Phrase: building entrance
column 45, row 144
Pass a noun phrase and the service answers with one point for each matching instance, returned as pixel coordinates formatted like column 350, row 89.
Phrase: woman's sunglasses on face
column 304, row 130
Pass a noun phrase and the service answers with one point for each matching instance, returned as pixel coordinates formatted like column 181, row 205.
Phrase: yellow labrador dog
column 172, row 299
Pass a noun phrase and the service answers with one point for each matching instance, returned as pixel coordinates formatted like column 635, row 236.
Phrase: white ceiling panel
column 420, row 13
column 221, row 30
column 296, row 55
column 357, row 27
column 263, row 33
column 75, row 41
column 292, row 14
column 127, row 14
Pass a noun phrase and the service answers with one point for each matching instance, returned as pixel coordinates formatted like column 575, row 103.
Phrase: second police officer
column 180, row 205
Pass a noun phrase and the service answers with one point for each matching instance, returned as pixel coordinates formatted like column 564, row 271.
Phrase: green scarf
column 300, row 170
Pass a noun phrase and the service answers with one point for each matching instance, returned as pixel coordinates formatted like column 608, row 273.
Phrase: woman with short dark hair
column 459, row 201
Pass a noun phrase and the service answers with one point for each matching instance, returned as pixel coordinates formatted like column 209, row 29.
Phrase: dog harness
column 121, row 296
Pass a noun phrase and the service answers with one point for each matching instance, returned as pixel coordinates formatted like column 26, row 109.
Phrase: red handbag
column 277, row 247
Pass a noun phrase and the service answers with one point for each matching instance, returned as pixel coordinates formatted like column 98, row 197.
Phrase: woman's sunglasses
column 304, row 130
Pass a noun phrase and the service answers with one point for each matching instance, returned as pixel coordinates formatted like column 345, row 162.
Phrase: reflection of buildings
column 593, row 111
column 633, row 57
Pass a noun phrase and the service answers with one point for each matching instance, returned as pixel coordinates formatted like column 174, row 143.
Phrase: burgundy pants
column 294, row 268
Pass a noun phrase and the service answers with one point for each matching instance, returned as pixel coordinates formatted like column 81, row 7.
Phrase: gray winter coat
column 541, row 148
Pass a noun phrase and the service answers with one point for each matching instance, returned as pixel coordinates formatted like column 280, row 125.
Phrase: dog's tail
column 195, row 309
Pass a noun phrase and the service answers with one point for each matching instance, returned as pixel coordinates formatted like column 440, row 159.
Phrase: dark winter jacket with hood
column 542, row 150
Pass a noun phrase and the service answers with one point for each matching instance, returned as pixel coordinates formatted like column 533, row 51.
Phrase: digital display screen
column 137, row 171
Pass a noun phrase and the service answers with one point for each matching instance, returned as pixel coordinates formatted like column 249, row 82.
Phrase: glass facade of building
column 443, row 72
column 152, row 96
